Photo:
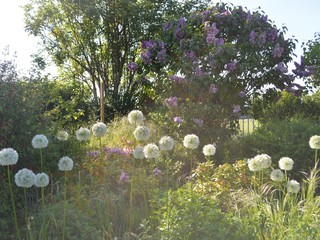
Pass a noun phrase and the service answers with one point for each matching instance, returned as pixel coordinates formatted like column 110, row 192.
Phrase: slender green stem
column 130, row 211
column 26, row 211
column 168, row 204
column 191, row 185
column 315, row 157
column 13, row 205
column 41, row 160
column 65, row 204
column 43, row 215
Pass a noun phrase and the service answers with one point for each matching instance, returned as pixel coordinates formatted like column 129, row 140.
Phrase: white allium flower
column 293, row 186
column 41, row 180
column 277, row 175
column 255, row 164
column 265, row 160
column 314, row 142
column 99, row 129
column 135, row 117
column 209, row 150
column 151, row 151
column 286, row 163
column 62, row 135
column 191, row 141
column 83, row 134
column 65, row 164
column 40, row 141
column 166, row 143
column 141, row 133
column 138, row 153
column 24, row 178
column 8, row 156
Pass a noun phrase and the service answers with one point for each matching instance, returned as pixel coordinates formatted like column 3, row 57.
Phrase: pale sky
column 302, row 18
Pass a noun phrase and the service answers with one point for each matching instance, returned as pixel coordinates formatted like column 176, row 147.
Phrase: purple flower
column 167, row 26
column 171, row 102
column 277, row 51
column 242, row 94
column 272, row 34
column 93, row 153
column 252, row 37
column 282, row 68
column 263, row 39
column 198, row 121
column 236, row 108
column 124, row 177
column 162, row 55
column 156, row 172
column 177, row 79
column 249, row 16
column 148, row 44
column 231, row 66
column 219, row 41
column 264, row 18
column 145, row 57
column 190, row 54
column 199, row 72
column 213, row 88
column 177, row 120
column 132, row 66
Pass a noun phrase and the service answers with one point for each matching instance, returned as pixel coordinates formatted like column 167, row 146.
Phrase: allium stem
column 130, row 211
column 315, row 157
column 65, row 203
column 43, row 215
column 26, row 210
column 41, row 160
column 13, row 205
column 167, row 199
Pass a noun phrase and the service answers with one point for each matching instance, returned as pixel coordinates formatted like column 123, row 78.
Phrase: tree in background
column 214, row 62
column 96, row 41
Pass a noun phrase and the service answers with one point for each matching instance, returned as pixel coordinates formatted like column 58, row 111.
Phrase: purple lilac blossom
column 213, row 88
column 124, row 177
column 277, row 51
column 263, row 39
column 282, row 68
column 171, row 102
column 199, row 72
column 132, row 66
column 190, row 54
column 177, row 120
column 272, row 34
column 145, row 57
column 167, row 26
column 249, row 16
column 264, row 18
column 236, row 108
column 198, row 121
column 242, row 94
column 252, row 37
column 177, row 79
column 231, row 66
column 162, row 55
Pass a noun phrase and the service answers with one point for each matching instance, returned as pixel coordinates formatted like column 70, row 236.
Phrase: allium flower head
column 62, row 135
column 135, row 117
column 198, row 122
column 209, row 150
column 99, row 129
column 293, row 186
column 255, row 164
column 65, row 164
column 39, row 141
column 156, row 171
column 277, row 175
column 177, row 120
column 265, row 160
column 138, row 153
column 242, row 94
column 191, row 141
column 24, row 178
column 151, row 151
column 171, row 102
column 286, row 163
column 314, row 142
column 213, row 88
column 142, row 133
column 124, row 177
column 8, row 156
column 41, row 180
column 166, row 143
column 83, row 134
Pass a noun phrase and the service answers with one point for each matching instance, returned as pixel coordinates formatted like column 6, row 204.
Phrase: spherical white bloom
column 83, row 134
column 209, row 150
column 99, row 129
column 62, row 135
column 65, row 164
column 141, row 133
column 191, row 141
column 277, row 175
column 293, row 186
column 138, row 153
column 314, row 142
column 24, row 178
column 8, row 156
column 255, row 164
column 41, row 180
column 151, row 151
column 166, row 143
column 135, row 117
column 286, row 163
column 265, row 160
column 40, row 141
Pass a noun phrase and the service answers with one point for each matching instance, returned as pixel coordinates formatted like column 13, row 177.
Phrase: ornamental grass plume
column 142, row 133
column 138, row 153
column 40, row 141
column 151, row 151
column 293, row 186
column 209, row 150
column 62, row 136
column 286, row 163
column 277, row 175
column 135, row 117
column 99, row 129
column 83, row 134
column 9, row 156
column 191, row 141
column 166, row 143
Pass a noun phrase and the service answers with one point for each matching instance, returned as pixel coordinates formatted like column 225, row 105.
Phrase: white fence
column 247, row 125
